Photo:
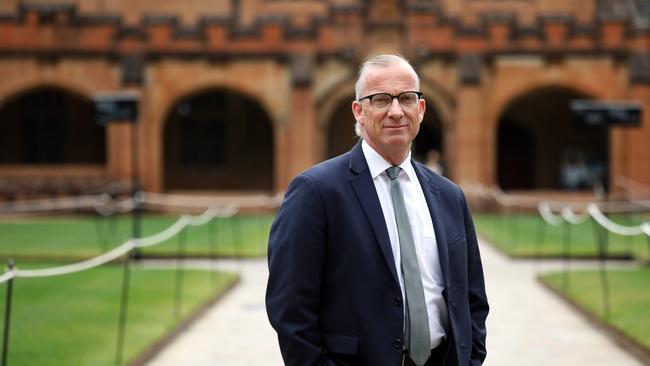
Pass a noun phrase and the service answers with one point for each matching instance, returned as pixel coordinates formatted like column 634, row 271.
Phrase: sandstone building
column 241, row 95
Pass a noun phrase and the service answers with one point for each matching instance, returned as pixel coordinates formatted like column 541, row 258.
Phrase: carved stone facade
column 278, row 75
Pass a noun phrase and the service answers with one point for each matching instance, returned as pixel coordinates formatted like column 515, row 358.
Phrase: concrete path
column 528, row 325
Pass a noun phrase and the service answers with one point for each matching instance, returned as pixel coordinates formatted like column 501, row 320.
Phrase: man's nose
column 395, row 109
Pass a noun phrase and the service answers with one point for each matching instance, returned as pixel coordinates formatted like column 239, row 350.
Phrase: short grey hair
column 378, row 61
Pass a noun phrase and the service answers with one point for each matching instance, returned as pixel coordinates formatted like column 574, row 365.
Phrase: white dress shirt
column 424, row 236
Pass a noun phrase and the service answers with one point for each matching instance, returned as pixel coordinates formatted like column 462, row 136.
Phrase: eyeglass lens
column 406, row 100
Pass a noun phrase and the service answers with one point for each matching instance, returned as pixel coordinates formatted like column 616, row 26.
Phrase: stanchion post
column 566, row 240
column 8, row 301
column 541, row 236
column 212, row 226
column 180, row 260
column 602, row 256
column 135, row 188
column 124, row 304
column 515, row 233
column 237, row 234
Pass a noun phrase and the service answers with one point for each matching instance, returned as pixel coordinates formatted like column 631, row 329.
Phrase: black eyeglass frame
column 369, row 97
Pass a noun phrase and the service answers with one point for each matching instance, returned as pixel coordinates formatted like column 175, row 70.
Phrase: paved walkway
column 527, row 325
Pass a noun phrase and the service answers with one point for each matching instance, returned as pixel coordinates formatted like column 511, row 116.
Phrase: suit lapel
column 432, row 196
column 364, row 188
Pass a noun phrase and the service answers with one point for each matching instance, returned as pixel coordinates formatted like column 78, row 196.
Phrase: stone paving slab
column 528, row 325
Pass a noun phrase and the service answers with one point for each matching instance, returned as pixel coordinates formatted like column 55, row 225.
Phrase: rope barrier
column 547, row 215
column 573, row 218
column 615, row 228
column 567, row 213
column 171, row 231
column 51, row 204
column 109, row 207
column 190, row 201
column 104, row 205
column 78, row 267
column 521, row 201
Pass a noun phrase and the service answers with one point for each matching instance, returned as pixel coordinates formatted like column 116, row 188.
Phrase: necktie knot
column 393, row 172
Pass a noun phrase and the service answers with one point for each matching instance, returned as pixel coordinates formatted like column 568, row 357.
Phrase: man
column 373, row 258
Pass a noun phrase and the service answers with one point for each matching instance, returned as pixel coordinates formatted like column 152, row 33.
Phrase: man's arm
column 296, row 265
column 478, row 303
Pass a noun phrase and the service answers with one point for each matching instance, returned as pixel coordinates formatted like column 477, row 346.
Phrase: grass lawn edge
column 165, row 340
column 619, row 257
column 622, row 340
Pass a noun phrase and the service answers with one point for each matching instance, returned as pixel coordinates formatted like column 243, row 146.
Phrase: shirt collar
column 377, row 164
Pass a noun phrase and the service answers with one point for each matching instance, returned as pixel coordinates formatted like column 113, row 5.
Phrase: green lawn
column 521, row 236
column 76, row 237
column 630, row 298
column 72, row 319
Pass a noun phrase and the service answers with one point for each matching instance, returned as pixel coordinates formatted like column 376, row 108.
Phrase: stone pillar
column 301, row 146
column 118, row 150
column 471, row 161
column 630, row 148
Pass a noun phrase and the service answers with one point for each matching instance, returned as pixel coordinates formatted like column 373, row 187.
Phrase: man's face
column 390, row 131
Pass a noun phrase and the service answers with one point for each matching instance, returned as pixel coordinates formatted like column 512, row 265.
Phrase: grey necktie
column 417, row 333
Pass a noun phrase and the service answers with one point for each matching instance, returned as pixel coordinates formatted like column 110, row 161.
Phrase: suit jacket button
column 397, row 301
column 397, row 343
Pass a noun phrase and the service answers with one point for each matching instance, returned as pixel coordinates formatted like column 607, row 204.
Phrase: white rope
column 191, row 201
column 548, row 215
column 512, row 200
column 81, row 266
column 166, row 234
column 108, row 207
column 119, row 251
column 613, row 227
column 573, row 218
column 9, row 275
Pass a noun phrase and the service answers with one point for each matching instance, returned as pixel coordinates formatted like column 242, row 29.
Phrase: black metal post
column 541, row 237
column 180, row 260
column 212, row 227
column 124, row 304
column 237, row 237
column 602, row 256
column 566, row 240
column 135, row 188
column 515, row 234
column 134, row 253
column 9, row 298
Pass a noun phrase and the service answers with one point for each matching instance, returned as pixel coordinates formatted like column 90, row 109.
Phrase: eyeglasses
column 382, row 101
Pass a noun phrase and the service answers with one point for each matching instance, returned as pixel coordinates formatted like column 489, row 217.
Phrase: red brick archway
column 537, row 142
column 48, row 125
column 218, row 139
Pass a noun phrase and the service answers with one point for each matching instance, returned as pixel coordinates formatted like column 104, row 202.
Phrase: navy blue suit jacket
column 333, row 295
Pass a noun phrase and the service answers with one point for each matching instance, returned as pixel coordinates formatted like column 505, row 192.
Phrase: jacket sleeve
column 296, row 255
column 477, row 297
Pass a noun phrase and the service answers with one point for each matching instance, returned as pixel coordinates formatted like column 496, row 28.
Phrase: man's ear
column 422, row 106
column 357, row 110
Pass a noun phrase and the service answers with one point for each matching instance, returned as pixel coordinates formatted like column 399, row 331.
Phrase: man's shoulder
column 330, row 168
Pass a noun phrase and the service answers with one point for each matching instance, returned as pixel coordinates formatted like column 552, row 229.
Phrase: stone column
column 118, row 150
column 301, row 148
column 471, row 161
column 630, row 148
